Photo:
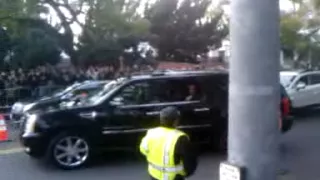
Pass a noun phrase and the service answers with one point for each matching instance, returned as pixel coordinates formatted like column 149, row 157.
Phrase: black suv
column 119, row 116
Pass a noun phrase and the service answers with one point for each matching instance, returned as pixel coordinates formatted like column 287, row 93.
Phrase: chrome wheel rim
column 71, row 151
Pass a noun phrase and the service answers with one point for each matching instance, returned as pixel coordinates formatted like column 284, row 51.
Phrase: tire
column 219, row 139
column 218, row 142
column 69, row 151
column 223, row 142
column 35, row 155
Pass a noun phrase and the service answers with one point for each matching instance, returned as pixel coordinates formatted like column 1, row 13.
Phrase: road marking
column 11, row 151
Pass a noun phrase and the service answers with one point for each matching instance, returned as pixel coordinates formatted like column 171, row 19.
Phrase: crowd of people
column 42, row 76
column 47, row 75
column 47, row 78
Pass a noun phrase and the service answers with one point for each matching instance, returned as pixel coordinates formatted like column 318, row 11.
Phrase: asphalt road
column 300, row 156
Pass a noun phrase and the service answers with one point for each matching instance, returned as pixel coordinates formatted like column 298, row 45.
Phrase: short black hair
column 169, row 115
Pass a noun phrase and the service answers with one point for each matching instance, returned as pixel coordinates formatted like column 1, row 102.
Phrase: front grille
column 23, row 123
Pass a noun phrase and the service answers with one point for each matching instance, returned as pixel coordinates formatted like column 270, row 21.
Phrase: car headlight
column 28, row 107
column 30, row 124
column 70, row 104
column 17, row 107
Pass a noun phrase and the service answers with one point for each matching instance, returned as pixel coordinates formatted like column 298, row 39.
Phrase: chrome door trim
column 114, row 130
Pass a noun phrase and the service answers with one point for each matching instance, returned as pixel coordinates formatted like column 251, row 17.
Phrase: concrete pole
column 254, row 88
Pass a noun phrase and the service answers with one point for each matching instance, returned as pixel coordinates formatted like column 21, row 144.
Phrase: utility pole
column 254, row 88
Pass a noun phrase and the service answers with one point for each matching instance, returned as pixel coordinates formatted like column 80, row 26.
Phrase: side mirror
column 117, row 101
column 301, row 85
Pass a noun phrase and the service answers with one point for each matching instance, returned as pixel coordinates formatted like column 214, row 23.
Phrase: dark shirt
column 185, row 152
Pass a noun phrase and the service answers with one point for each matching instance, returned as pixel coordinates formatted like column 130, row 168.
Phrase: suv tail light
column 285, row 106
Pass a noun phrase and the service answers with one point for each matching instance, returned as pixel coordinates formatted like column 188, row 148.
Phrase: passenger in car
column 192, row 93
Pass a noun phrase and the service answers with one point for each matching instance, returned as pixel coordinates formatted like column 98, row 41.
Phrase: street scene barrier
column 11, row 95
column 9, row 129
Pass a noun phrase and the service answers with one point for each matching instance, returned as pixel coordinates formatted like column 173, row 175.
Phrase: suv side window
column 315, row 79
column 186, row 89
column 136, row 93
column 160, row 91
column 304, row 79
column 216, row 89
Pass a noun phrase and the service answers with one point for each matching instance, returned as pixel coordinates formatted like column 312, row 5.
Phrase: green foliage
column 291, row 36
column 4, row 45
column 299, row 28
column 36, row 47
column 182, row 31
column 29, row 40
column 112, row 26
column 178, row 31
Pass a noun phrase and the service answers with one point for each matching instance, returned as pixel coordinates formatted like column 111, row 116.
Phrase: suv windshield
column 61, row 92
column 106, row 89
column 83, row 91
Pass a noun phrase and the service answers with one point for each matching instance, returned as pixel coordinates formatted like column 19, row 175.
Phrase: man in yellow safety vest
column 168, row 150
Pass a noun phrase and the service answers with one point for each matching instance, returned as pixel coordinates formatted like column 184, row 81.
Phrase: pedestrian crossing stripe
column 11, row 151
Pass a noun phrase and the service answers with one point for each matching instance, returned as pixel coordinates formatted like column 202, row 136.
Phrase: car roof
column 92, row 84
column 175, row 74
column 299, row 72
column 292, row 73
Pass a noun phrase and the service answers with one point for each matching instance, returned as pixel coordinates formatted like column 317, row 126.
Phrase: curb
column 11, row 151
column 6, row 141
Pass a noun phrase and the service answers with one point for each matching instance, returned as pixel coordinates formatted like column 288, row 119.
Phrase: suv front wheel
column 69, row 151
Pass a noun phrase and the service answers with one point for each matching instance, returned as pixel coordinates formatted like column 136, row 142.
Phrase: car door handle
column 152, row 113
column 201, row 109
column 134, row 113
column 92, row 115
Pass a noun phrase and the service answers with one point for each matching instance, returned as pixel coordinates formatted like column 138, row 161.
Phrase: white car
column 303, row 88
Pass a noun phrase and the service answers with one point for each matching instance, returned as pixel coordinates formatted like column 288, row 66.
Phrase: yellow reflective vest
column 158, row 146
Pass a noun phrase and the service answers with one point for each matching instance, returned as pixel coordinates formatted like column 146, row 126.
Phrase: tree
column 66, row 11
column 182, row 30
column 4, row 45
column 298, row 30
column 35, row 48
column 111, row 27
column 32, row 40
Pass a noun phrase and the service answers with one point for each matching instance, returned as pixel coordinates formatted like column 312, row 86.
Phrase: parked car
column 119, row 116
column 303, row 87
column 73, row 92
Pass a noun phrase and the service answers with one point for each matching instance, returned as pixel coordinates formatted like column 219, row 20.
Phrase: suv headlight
column 28, row 107
column 30, row 124
column 17, row 107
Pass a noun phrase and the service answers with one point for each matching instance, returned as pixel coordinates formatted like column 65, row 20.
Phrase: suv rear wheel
column 223, row 142
column 69, row 151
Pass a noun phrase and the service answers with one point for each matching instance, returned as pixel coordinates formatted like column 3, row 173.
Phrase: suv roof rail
column 160, row 72
column 307, row 70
